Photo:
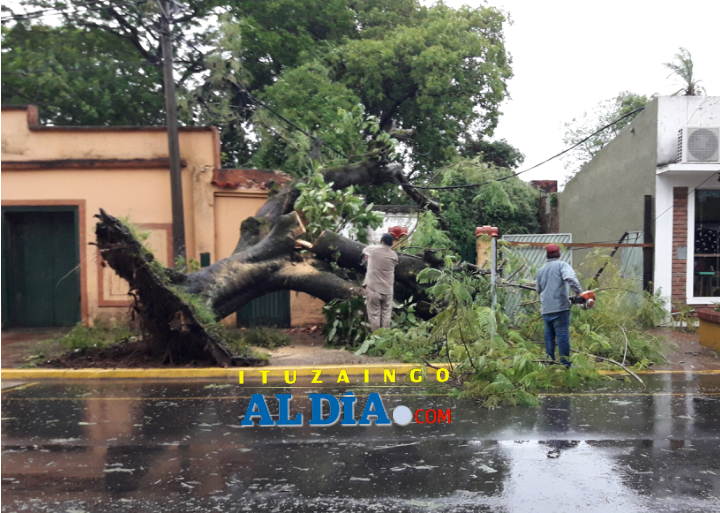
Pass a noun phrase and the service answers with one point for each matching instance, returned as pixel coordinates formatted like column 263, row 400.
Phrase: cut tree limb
column 372, row 170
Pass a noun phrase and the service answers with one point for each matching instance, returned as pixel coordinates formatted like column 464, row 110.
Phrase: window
column 706, row 274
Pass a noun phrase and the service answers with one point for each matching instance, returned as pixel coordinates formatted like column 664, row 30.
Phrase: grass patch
column 80, row 338
column 240, row 341
column 99, row 336
column 45, row 349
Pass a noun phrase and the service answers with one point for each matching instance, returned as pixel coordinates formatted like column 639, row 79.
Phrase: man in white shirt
column 379, row 281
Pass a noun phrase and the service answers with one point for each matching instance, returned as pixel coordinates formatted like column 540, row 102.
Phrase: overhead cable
column 294, row 125
column 471, row 185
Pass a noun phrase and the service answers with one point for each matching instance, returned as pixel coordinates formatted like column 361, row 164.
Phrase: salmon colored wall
column 212, row 215
column 198, row 147
column 130, row 194
column 23, row 142
column 143, row 195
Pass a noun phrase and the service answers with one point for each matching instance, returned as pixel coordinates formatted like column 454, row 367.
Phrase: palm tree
column 682, row 67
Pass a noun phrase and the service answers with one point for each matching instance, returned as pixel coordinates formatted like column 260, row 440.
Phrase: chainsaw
column 585, row 300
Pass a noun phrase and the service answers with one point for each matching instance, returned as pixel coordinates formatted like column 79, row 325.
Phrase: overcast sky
column 568, row 55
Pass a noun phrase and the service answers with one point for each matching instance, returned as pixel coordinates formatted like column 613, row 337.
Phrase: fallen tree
column 178, row 310
column 490, row 358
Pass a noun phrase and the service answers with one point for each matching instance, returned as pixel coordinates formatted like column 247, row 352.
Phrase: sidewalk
column 307, row 354
column 18, row 343
column 689, row 355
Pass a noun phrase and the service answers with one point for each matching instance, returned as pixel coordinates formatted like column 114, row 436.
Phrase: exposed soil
column 21, row 347
column 306, row 348
column 20, row 344
column 127, row 355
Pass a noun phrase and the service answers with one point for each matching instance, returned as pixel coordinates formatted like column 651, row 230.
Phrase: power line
column 99, row 65
column 259, row 103
column 294, row 125
column 34, row 14
column 688, row 195
column 471, row 185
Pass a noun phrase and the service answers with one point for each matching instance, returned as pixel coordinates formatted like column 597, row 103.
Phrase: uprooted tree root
column 175, row 334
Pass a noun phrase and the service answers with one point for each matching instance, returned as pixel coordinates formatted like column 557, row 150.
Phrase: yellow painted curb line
column 252, row 373
column 249, row 373
column 612, row 372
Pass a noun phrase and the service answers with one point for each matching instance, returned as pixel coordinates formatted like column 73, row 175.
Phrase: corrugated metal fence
column 631, row 261
column 529, row 259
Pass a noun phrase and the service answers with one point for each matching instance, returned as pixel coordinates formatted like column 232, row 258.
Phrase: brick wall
column 680, row 226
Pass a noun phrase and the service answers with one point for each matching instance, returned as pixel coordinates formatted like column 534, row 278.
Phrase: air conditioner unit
column 699, row 144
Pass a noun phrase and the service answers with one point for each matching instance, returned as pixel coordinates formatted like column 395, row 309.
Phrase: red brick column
column 680, row 227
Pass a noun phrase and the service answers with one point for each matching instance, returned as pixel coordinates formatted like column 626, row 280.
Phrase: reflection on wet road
column 179, row 446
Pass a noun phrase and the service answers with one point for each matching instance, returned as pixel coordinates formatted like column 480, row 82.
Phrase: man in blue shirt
column 552, row 284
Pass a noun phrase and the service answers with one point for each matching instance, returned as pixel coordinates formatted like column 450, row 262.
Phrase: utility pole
column 481, row 245
column 178, row 218
column 493, row 283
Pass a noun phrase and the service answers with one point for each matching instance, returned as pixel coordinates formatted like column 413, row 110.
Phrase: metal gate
column 40, row 267
column 269, row 310
column 468, row 253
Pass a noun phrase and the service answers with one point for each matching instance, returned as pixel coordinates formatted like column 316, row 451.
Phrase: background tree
column 682, row 67
column 437, row 71
column 509, row 204
column 604, row 113
column 79, row 77
column 500, row 152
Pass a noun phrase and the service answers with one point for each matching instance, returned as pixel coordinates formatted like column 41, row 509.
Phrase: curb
column 249, row 373
column 691, row 372
column 253, row 373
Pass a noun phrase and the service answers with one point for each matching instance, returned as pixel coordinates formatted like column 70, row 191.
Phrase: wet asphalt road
column 178, row 446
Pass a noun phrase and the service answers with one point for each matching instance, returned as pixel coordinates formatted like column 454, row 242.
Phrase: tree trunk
column 268, row 258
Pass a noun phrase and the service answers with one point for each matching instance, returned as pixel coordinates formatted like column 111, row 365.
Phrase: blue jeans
column 557, row 324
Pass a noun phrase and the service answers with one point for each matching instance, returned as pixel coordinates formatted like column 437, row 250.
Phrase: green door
column 269, row 310
column 40, row 267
